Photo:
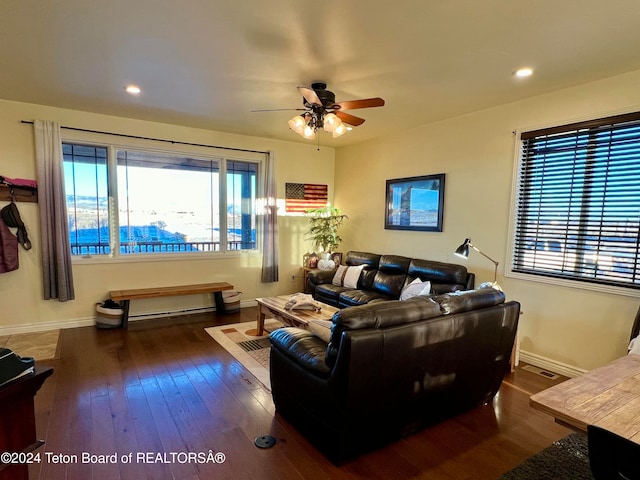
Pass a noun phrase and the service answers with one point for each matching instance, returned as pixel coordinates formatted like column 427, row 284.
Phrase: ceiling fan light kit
column 297, row 124
column 331, row 122
column 340, row 130
column 322, row 111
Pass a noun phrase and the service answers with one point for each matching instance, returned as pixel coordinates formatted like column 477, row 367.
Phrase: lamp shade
column 331, row 122
column 309, row 132
column 463, row 250
column 297, row 124
column 340, row 130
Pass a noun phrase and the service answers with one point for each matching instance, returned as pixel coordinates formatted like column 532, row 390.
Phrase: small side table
column 17, row 420
column 515, row 351
column 305, row 273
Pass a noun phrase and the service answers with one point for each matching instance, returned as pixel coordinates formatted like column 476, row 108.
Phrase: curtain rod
column 175, row 142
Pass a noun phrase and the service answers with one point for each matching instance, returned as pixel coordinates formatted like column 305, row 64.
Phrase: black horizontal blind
column 578, row 206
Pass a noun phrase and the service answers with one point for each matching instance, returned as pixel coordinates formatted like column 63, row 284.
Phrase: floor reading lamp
column 463, row 251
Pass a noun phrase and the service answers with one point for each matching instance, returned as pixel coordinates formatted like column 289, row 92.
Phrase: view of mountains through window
column 164, row 203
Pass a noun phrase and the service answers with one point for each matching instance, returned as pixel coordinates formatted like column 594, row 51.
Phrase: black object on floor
column 265, row 441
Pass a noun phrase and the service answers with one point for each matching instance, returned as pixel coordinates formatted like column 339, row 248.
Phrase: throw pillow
column 347, row 276
column 415, row 288
column 321, row 329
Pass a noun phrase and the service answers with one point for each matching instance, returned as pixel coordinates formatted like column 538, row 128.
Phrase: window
column 123, row 201
column 578, row 202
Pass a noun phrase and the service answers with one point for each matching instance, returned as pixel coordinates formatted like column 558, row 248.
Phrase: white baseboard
column 550, row 364
column 91, row 321
column 46, row 326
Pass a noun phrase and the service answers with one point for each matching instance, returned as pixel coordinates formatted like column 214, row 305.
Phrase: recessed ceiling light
column 523, row 72
column 133, row 89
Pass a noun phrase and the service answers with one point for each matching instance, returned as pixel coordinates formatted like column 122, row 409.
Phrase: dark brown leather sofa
column 384, row 277
column 392, row 368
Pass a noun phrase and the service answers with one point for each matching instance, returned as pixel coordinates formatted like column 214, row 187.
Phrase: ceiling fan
column 322, row 111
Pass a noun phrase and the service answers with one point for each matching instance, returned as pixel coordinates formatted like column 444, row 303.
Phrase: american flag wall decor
column 299, row 197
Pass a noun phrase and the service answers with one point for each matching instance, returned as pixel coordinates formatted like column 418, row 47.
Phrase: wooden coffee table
column 273, row 307
column 608, row 397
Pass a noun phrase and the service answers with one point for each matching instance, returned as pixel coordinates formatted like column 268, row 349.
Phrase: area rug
column 251, row 351
column 39, row 345
column 566, row 459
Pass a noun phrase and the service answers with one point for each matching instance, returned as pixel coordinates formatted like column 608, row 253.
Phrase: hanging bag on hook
column 11, row 217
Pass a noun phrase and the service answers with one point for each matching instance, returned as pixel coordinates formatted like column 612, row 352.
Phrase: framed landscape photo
column 415, row 203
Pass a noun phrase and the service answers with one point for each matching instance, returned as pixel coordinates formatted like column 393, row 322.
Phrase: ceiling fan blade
column 309, row 95
column 350, row 119
column 281, row 110
column 364, row 103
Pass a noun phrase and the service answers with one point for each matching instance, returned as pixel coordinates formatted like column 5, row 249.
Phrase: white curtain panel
column 56, row 250
column 270, row 223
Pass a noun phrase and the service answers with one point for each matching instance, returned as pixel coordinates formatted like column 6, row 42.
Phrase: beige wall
column 565, row 327
column 21, row 291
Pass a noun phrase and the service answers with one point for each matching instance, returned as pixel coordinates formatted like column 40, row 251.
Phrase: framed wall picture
column 415, row 203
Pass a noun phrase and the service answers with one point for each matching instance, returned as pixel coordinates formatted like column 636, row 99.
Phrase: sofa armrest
column 301, row 347
column 318, row 277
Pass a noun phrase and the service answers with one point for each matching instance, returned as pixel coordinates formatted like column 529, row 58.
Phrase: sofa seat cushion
column 303, row 347
column 329, row 291
column 351, row 298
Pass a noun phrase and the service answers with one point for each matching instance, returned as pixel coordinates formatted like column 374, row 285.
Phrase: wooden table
column 273, row 307
column 608, row 397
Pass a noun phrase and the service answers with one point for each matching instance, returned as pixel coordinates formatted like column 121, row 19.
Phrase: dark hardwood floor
column 165, row 389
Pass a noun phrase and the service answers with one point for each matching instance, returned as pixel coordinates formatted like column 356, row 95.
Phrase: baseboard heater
column 186, row 311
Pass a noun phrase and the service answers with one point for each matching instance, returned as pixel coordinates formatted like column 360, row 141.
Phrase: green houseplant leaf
column 323, row 227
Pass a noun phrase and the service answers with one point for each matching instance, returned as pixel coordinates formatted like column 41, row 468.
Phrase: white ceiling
column 208, row 63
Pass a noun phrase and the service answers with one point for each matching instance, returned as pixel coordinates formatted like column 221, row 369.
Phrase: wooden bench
column 125, row 296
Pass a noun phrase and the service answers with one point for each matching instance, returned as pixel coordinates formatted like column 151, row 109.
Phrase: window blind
column 578, row 202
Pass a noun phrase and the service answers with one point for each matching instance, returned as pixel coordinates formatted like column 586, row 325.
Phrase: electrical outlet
column 293, row 278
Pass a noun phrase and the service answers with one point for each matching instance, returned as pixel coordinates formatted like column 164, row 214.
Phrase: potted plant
column 323, row 232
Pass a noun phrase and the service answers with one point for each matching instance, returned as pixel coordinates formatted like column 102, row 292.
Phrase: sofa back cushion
column 444, row 277
column 467, row 300
column 378, row 315
column 391, row 275
column 370, row 262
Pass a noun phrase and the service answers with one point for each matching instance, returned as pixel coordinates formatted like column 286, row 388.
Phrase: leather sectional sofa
column 391, row 368
column 383, row 278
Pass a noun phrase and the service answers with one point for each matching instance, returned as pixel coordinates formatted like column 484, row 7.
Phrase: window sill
column 144, row 258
